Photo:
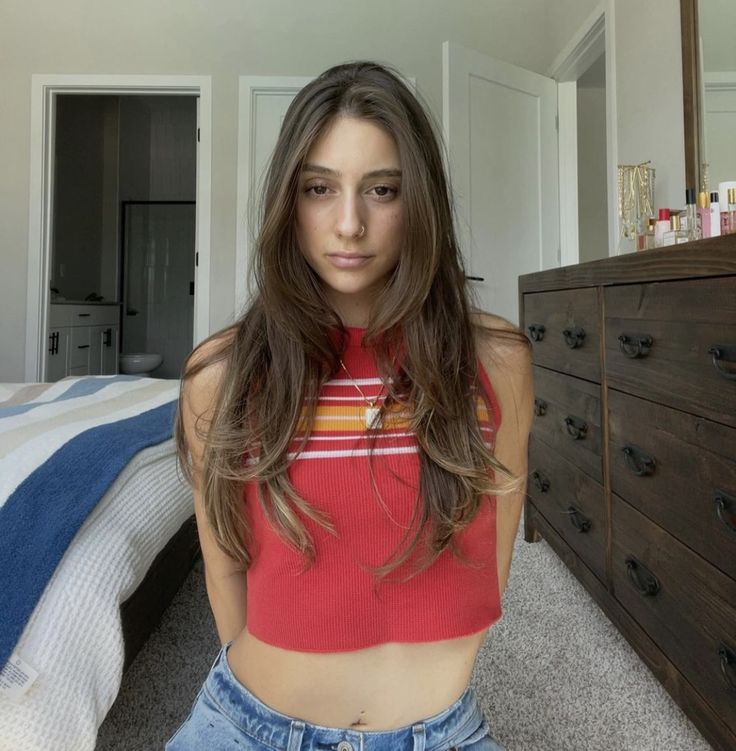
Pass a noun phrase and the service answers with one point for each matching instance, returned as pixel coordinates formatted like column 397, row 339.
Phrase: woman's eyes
column 384, row 192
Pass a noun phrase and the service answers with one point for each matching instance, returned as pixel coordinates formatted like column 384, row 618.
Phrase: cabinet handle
column 720, row 352
column 475, row 278
column 578, row 519
column 54, row 343
column 536, row 331
column 576, row 428
column 540, row 481
column 574, row 337
column 727, row 658
column 84, row 315
column 638, row 462
column 726, row 504
column 108, row 338
column 540, row 407
column 635, row 345
column 83, row 346
column 643, row 580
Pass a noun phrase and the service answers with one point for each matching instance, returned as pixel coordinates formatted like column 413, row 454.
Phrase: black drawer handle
column 108, row 338
column 728, row 659
column 83, row 346
column 643, row 580
column 540, row 481
column 536, row 331
column 476, row 278
column 540, row 407
column 576, row 428
column 574, row 337
column 84, row 315
column 726, row 509
column 577, row 519
column 638, row 462
column 725, row 352
column 635, row 345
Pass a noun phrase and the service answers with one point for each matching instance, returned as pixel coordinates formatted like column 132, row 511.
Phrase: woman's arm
column 224, row 576
column 508, row 364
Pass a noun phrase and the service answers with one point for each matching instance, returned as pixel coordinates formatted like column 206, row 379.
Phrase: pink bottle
column 704, row 213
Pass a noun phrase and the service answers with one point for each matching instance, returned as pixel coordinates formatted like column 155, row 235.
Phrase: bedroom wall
column 225, row 39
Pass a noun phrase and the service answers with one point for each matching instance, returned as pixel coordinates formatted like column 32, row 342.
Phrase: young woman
column 357, row 446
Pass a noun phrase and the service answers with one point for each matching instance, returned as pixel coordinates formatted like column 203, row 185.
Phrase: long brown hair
column 281, row 351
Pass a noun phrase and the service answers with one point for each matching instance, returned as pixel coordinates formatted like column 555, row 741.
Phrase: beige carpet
column 553, row 675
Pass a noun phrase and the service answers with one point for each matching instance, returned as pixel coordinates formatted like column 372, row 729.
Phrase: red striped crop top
column 334, row 605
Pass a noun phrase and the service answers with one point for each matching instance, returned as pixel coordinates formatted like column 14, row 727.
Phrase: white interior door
column 263, row 104
column 500, row 127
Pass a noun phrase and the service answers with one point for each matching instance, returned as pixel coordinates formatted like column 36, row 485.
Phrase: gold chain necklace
column 372, row 413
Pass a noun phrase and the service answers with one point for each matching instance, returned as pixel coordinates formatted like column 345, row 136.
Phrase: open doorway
column 122, row 234
column 110, row 95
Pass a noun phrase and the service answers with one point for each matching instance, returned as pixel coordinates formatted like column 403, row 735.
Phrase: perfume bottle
column 662, row 225
column 690, row 223
column 732, row 211
column 649, row 236
column 715, row 215
column 704, row 213
column 676, row 234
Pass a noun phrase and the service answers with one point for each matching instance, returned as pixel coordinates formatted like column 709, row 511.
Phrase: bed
column 96, row 536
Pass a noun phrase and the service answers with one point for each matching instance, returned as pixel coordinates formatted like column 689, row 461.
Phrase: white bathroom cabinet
column 83, row 340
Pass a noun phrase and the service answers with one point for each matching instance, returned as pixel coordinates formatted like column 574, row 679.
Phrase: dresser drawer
column 571, row 502
column 568, row 418
column 689, row 609
column 675, row 343
column 680, row 471
column 564, row 327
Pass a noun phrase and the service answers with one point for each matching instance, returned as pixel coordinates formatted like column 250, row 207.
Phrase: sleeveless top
column 335, row 605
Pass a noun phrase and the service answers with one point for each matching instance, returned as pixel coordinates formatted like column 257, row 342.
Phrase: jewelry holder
column 635, row 204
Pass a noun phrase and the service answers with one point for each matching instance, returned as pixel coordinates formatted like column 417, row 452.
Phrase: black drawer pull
column 638, row 462
column 644, row 581
column 580, row 522
column 83, row 346
column 108, row 338
column 540, row 481
column 576, row 428
column 476, row 278
column 540, row 407
column 635, row 345
column 726, row 509
column 728, row 659
column 725, row 352
column 536, row 331
column 574, row 337
column 84, row 315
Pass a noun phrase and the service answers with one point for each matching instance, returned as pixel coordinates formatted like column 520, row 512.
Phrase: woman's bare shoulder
column 205, row 369
column 505, row 353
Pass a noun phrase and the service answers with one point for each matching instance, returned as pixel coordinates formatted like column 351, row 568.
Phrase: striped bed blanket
column 62, row 445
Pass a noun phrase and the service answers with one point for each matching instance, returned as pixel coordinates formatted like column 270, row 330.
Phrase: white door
column 263, row 103
column 500, row 127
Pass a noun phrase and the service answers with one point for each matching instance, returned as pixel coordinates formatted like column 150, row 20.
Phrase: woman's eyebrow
column 320, row 170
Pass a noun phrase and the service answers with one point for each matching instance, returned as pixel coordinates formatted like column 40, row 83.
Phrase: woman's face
column 350, row 215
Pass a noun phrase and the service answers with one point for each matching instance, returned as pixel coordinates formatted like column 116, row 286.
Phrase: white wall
column 228, row 38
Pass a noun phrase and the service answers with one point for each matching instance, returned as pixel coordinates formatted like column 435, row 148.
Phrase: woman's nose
column 349, row 221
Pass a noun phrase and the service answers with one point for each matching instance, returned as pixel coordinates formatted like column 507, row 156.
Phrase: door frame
column 44, row 88
column 592, row 39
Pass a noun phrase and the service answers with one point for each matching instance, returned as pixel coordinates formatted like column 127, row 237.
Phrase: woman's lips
column 347, row 261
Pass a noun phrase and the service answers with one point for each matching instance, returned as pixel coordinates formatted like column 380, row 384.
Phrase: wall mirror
column 709, row 91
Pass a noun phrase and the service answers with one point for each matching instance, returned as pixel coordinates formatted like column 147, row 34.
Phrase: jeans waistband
column 280, row 731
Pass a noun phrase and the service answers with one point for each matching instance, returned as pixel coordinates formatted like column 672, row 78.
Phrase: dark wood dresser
column 632, row 457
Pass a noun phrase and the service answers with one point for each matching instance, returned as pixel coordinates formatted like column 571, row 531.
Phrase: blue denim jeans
column 226, row 715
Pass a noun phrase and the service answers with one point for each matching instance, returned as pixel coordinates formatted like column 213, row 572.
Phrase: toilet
column 139, row 363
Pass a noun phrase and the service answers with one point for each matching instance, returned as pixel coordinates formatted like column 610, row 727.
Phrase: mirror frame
column 691, row 91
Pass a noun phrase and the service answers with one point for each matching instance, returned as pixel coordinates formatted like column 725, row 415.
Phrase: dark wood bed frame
column 142, row 611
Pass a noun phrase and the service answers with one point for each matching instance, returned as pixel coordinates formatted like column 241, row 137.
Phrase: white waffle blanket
column 74, row 636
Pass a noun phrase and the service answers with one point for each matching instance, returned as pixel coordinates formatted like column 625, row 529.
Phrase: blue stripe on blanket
column 83, row 387
column 41, row 517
